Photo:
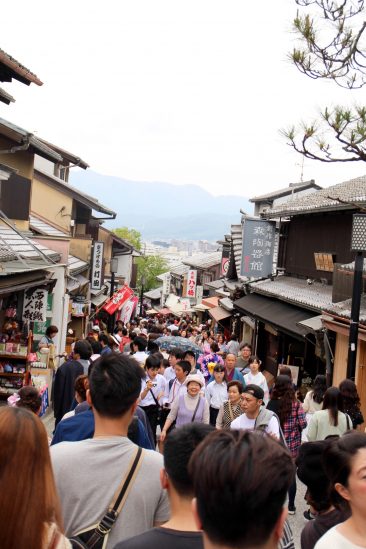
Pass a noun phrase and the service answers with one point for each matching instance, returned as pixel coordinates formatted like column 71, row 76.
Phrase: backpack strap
column 119, row 499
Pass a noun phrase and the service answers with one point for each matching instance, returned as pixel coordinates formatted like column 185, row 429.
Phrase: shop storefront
column 281, row 336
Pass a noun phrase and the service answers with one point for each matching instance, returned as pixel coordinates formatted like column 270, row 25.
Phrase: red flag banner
column 118, row 299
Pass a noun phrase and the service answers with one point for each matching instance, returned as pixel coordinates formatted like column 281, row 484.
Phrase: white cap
column 96, row 328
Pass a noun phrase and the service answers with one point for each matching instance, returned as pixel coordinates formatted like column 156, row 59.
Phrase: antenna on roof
column 302, row 169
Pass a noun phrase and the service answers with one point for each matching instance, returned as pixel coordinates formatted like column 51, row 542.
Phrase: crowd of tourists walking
column 168, row 434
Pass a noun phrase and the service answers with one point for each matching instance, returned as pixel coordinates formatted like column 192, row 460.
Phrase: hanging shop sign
column 225, row 261
column 166, row 284
column 191, row 283
column 118, row 299
column 128, row 309
column 258, row 248
column 199, row 294
column 35, row 305
column 97, row 266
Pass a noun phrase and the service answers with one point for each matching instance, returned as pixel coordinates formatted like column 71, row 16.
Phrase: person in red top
column 124, row 340
column 292, row 420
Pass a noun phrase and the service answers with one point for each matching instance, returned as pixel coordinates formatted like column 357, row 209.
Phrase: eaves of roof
column 348, row 195
column 85, row 199
column 23, row 137
column 20, row 72
column 5, row 97
column 67, row 155
column 291, row 189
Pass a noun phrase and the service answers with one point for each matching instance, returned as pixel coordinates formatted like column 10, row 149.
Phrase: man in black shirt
column 180, row 531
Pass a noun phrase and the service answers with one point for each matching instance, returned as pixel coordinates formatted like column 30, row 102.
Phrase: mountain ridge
column 157, row 209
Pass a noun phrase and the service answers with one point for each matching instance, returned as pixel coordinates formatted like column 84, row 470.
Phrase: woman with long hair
column 351, row 401
column 330, row 421
column 313, row 401
column 314, row 398
column 345, row 465
column 29, row 506
column 292, row 420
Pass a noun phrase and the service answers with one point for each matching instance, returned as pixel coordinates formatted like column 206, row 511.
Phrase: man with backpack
column 255, row 416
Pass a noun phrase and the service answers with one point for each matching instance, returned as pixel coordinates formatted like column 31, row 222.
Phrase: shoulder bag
column 96, row 537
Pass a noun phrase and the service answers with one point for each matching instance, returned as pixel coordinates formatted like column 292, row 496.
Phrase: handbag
column 96, row 537
column 160, row 409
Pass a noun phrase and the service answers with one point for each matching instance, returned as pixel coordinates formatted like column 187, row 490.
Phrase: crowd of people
column 180, row 445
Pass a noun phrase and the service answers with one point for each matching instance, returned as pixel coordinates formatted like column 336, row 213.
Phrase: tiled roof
column 237, row 244
column 20, row 135
column 154, row 294
column 20, row 71
column 297, row 291
column 292, row 188
column 352, row 192
column 215, row 284
column 76, row 265
column 5, row 97
column 343, row 309
column 204, row 261
column 45, row 228
column 179, row 269
column 23, row 247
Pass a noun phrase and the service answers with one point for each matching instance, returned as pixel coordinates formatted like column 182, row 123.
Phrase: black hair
column 246, row 345
column 152, row 361
column 338, row 459
column 115, row 384
column 51, row 330
column 103, row 338
column 333, row 401
column 96, row 346
column 319, row 388
column 84, row 349
column 152, row 347
column 189, row 353
column 240, row 481
column 29, row 398
column 178, row 353
column 140, row 343
column 214, row 347
column 178, row 448
column 124, row 331
column 185, row 365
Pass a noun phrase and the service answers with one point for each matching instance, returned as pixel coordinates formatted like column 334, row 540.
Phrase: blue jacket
column 238, row 376
column 81, row 426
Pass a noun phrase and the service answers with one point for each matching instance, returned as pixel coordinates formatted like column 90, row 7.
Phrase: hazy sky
column 161, row 90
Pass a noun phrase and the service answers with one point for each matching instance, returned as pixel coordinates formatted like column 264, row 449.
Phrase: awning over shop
column 99, row 299
column 165, row 311
column 211, row 302
column 218, row 313
column 76, row 283
column 25, row 280
column 281, row 315
column 314, row 324
column 200, row 307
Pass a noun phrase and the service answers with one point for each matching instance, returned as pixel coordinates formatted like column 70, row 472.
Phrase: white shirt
column 243, row 422
column 160, row 388
column 216, row 394
column 335, row 540
column 169, row 373
column 260, row 380
column 141, row 357
column 175, row 389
